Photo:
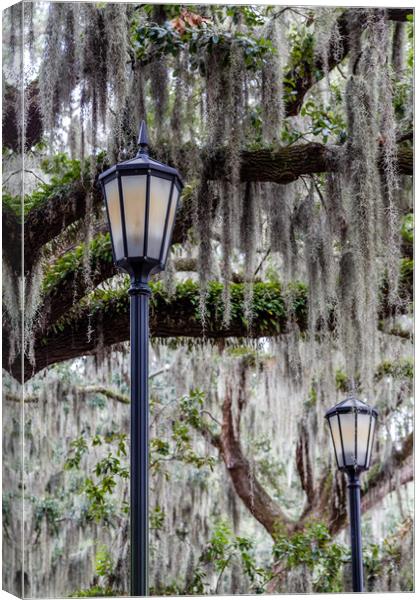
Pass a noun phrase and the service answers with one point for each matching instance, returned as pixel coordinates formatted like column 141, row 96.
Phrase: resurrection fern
column 268, row 304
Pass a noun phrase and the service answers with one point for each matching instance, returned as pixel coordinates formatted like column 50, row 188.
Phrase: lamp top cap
column 143, row 139
column 350, row 404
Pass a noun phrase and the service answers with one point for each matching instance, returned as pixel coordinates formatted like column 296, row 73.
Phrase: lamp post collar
column 139, row 288
column 143, row 140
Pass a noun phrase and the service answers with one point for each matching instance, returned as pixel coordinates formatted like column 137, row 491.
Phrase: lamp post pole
column 139, row 438
column 141, row 199
column 353, row 485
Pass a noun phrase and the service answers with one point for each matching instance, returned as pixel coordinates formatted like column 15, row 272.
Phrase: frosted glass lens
column 363, row 421
column 336, row 439
column 160, row 190
column 348, row 432
column 134, row 194
column 372, row 432
column 113, row 203
column 172, row 211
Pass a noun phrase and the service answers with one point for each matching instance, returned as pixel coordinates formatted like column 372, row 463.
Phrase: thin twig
column 341, row 72
column 107, row 392
column 164, row 407
column 262, row 261
column 301, row 136
column 219, row 579
column 304, row 181
column 206, row 412
column 306, row 17
column 26, row 171
column 9, row 397
column 35, row 175
column 283, row 10
column 11, row 175
column 319, row 192
column 408, row 135
column 159, row 372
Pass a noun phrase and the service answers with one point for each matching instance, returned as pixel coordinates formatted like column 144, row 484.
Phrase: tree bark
column 287, row 164
column 266, row 510
column 398, row 43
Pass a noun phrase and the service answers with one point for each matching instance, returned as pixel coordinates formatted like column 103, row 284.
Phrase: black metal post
column 139, row 440
column 353, row 485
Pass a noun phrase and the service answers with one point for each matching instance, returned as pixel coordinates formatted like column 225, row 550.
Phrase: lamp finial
column 143, row 139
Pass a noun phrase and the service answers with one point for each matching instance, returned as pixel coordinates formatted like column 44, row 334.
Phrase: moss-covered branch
column 284, row 165
column 102, row 319
column 65, row 280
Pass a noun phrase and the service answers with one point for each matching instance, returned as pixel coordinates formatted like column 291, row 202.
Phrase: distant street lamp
column 352, row 425
column 141, row 198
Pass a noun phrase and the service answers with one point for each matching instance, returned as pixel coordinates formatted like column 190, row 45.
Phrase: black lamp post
column 352, row 425
column 141, row 198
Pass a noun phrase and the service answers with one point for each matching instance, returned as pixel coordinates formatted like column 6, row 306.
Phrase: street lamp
column 352, row 425
column 141, row 198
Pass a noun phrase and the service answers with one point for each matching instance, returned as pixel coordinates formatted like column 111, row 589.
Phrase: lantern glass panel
column 134, row 194
column 372, row 434
column 363, row 420
column 335, row 430
column 160, row 191
column 348, row 432
column 172, row 211
column 114, row 212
